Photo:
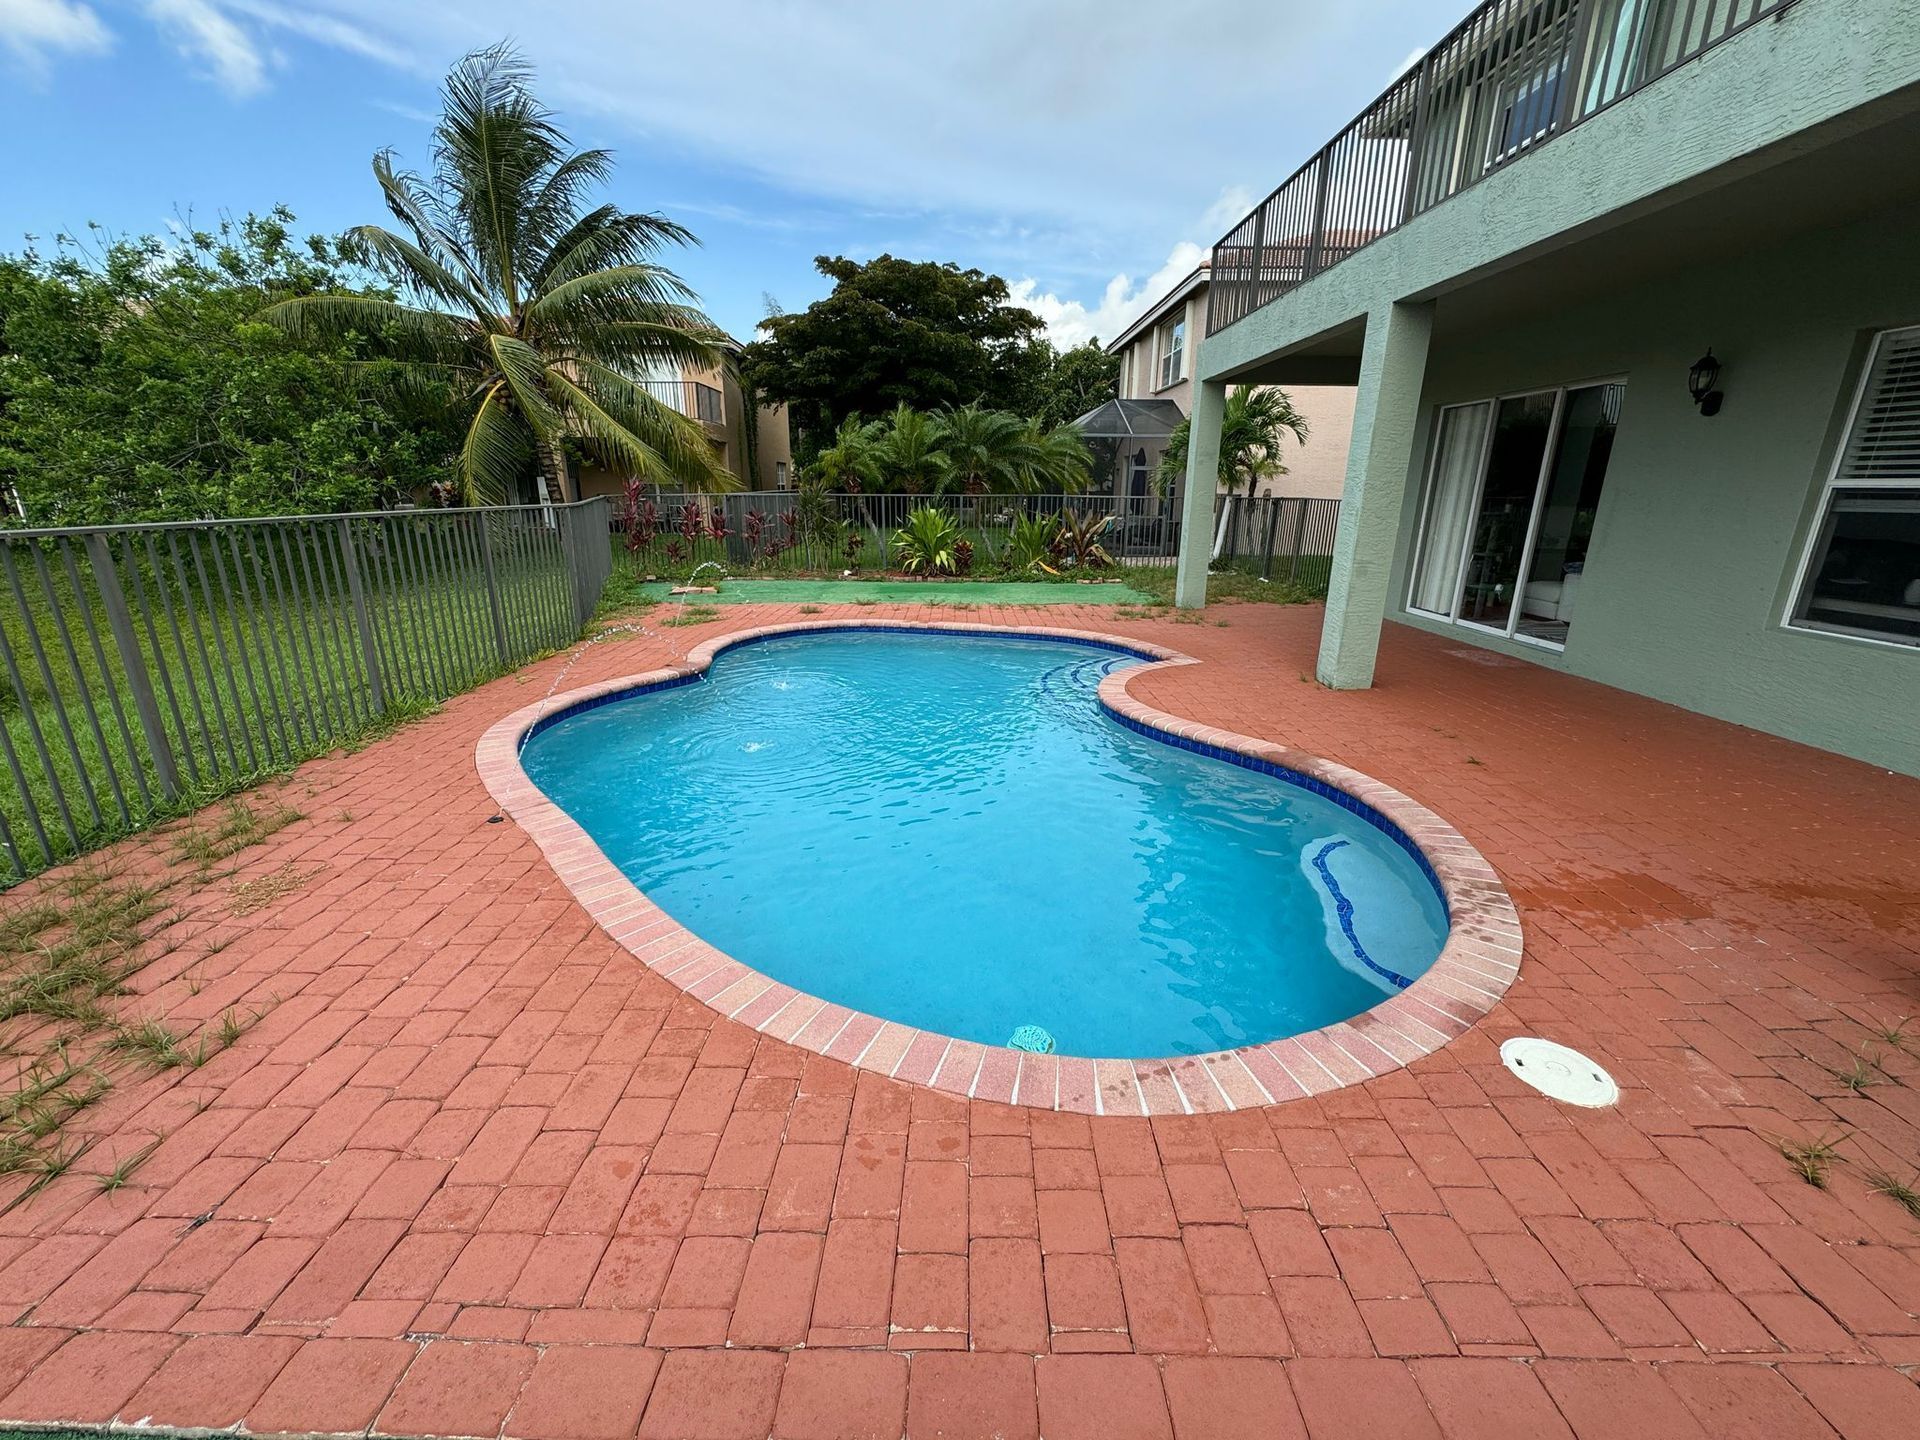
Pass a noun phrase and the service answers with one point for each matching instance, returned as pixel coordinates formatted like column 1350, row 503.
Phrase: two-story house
column 711, row 395
column 1630, row 293
column 1156, row 355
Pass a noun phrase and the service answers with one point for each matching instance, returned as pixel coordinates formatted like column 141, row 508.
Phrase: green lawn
column 255, row 659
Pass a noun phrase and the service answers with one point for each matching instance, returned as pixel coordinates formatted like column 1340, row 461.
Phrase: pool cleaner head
column 1032, row 1037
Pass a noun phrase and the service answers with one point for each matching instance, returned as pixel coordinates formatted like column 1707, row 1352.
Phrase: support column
column 1393, row 367
column 1196, row 507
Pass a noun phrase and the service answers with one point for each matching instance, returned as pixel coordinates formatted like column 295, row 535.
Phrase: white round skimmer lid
column 1556, row 1071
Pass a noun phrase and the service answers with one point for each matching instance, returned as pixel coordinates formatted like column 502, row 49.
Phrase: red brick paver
column 479, row 1171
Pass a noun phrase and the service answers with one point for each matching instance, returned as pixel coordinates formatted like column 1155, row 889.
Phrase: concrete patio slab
column 479, row 1172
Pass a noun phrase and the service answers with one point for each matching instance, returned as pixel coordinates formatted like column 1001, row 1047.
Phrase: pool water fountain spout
column 693, row 583
column 625, row 627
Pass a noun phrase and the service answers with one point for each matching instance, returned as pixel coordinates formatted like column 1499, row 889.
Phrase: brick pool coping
column 1479, row 961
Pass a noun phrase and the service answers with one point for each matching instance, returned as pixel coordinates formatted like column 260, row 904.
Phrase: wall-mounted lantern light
column 1701, row 379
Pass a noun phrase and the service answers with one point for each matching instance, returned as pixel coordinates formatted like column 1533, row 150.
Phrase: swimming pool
column 949, row 831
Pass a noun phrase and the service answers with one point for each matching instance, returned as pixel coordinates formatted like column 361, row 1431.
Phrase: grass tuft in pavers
column 68, row 957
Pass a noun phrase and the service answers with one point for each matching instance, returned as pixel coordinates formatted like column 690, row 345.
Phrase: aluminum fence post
column 362, row 620
column 106, row 576
column 493, row 594
column 1273, row 523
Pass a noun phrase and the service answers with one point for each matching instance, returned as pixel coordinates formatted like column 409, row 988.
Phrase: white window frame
column 1517, row 91
column 1171, row 342
column 1510, row 631
column 1834, row 481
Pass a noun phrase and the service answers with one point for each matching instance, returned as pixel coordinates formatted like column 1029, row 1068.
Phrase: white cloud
column 206, row 35
column 1064, row 140
column 1069, row 322
column 1104, row 116
column 325, row 29
column 34, row 30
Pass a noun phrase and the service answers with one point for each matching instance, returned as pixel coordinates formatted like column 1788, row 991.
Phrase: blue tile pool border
column 1479, row 961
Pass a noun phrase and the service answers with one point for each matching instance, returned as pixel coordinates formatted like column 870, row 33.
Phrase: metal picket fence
column 147, row 668
column 1277, row 537
column 796, row 532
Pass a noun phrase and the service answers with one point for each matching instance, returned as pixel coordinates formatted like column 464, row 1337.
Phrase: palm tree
column 911, row 454
column 531, row 316
column 853, row 461
column 1250, row 440
column 985, row 450
column 1057, row 459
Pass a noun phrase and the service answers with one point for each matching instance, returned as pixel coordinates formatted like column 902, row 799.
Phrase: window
column 1861, row 571
column 1513, row 488
column 779, row 474
column 1173, row 352
column 1526, row 110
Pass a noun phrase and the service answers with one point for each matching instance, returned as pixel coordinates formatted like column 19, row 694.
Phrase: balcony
column 1512, row 76
column 693, row 398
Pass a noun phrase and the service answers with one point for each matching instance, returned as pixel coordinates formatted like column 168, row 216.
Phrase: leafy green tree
column 533, row 318
column 1077, row 380
column 895, row 332
column 1252, row 439
column 136, row 383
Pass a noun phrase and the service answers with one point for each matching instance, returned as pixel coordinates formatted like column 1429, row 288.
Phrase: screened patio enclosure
column 1127, row 438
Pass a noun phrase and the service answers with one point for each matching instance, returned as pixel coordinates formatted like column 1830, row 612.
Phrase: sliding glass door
column 1511, row 497
column 1459, row 452
column 1521, row 433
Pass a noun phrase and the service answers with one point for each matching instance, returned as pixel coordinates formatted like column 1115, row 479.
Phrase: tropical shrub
column 1030, row 542
column 642, row 518
column 815, row 519
column 925, row 545
column 852, row 462
column 965, row 449
column 136, row 384
column 1078, row 542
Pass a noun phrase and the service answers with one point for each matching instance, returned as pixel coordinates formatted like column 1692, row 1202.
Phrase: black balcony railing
column 692, row 398
column 1511, row 76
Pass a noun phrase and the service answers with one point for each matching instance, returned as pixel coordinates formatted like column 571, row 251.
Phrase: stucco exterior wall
column 1316, row 468
column 1702, row 521
column 775, row 449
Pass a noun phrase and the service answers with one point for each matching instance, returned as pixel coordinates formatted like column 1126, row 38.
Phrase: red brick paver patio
column 477, row 1172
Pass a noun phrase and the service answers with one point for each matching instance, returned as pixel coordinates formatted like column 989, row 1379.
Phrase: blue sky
column 1088, row 150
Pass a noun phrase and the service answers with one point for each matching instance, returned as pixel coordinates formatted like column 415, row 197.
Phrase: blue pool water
column 949, row 832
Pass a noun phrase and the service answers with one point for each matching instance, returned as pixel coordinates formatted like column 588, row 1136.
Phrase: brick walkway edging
column 1480, row 959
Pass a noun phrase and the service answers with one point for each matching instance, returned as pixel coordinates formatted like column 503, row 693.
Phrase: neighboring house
column 1156, row 367
column 711, row 395
column 1635, row 325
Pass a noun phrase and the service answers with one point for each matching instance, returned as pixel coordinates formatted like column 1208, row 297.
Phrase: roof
column 1194, row 283
column 1130, row 420
column 1155, row 313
